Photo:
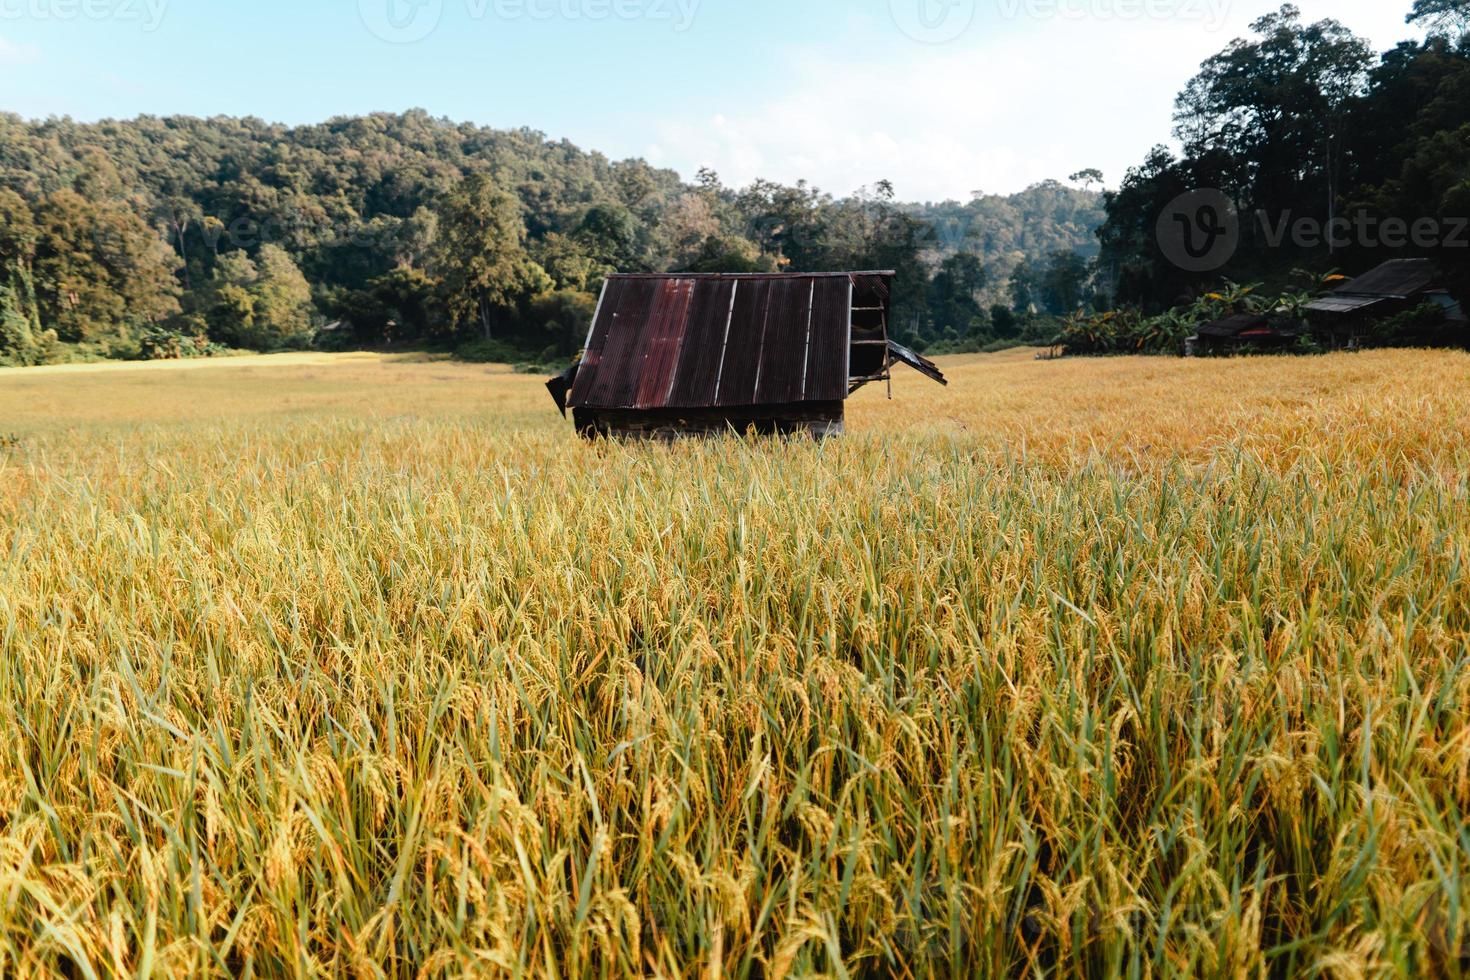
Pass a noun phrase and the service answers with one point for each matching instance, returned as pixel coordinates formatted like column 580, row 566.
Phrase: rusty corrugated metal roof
column 1395, row 279
column 716, row 341
column 1345, row 303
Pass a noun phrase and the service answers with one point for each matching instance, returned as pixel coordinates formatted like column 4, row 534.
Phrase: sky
column 942, row 97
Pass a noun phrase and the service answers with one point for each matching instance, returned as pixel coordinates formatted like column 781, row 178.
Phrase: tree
column 411, row 298
column 228, row 307
column 283, row 308
column 22, row 341
column 355, row 201
column 566, row 262
column 895, row 241
column 1088, row 178
column 100, row 270
column 708, row 181
column 1276, row 104
column 18, row 232
column 609, row 234
column 729, row 253
column 636, row 182
column 1449, row 17
column 564, row 317
column 416, row 237
column 786, row 223
column 1289, row 123
column 481, row 256
column 1064, row 283
column 181, row 214
column 397, row 307
column 955, row 294
column 1025, row 288
column 687, row 224
column 1005, row 231
column 262, row 304
column 1004, row 323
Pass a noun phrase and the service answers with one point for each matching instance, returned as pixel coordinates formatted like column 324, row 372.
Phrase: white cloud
column 942, row 123
column 996, row 111
column 12, row 54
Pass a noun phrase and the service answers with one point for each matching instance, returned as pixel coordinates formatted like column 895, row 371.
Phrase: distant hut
column 685, row 354
column 1349, row 312
column 1244, row 331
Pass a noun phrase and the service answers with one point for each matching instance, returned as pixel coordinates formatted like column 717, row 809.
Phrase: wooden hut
column 1244, row 331
column 1349, row 312
column 685, row 354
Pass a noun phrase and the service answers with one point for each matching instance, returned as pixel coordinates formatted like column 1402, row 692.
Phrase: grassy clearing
column 368, row 668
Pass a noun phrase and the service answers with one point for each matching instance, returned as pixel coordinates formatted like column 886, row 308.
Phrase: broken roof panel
column 704, row 341
column 916, row 361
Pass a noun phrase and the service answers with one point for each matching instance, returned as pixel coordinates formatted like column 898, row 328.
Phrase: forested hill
column 182, row 235
column 1010, row 233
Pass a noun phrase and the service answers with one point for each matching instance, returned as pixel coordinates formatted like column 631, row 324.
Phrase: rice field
column 366, row 667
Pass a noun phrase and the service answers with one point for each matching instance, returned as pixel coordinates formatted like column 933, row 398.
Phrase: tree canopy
column 407, row 229
column 1301, row 127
